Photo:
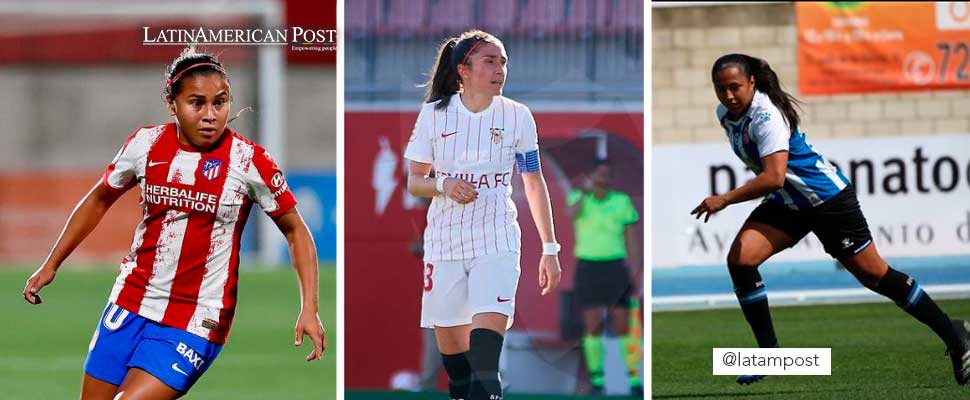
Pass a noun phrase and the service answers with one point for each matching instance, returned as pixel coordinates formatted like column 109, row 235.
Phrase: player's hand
column 709, row 206
column 460, row 191
column 309, row 324
column 40, row 278
column 549, row 273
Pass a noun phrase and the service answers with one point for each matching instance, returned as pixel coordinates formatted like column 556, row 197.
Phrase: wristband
column 439, row 184
column 550, row 249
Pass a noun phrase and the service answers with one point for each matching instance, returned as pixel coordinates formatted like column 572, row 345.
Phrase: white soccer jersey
column 480, row 148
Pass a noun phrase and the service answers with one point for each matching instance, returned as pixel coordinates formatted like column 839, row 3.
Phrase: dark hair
column 601, row 162
column 190, row 62
column 444, row 80
column 765, row 80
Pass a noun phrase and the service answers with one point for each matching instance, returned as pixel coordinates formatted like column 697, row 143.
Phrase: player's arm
column 633, row 256
column 303, row 253
column 537, row 194
column 420, row 184
column 85, row 217
column 769, row 180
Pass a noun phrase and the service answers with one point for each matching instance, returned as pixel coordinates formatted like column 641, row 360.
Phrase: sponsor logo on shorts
column 194, row 358
column 846, row 243
column 501, row 300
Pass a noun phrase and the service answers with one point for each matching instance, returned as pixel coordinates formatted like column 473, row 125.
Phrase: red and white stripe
column 182, row 270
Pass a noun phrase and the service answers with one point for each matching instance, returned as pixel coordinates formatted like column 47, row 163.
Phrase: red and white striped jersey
column 182, row 269
column 479, row 148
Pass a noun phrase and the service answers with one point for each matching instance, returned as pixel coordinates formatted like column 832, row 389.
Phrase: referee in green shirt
column 607, row 252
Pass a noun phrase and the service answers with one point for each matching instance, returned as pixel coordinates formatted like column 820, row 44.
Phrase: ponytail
column 765, row 81
column 443, row 82
column 454, row 51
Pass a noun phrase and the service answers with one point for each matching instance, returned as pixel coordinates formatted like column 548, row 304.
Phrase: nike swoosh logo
column 154, row 163
column 175, row 366
column 501, row 300
column 444, row 135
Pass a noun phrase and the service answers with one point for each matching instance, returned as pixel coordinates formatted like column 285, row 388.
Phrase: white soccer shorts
column 456, row 290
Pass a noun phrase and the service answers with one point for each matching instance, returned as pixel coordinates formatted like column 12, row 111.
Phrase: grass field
column 43, row 347
column 878, row 352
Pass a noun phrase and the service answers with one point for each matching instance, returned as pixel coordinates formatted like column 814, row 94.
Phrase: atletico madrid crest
column 211, row 169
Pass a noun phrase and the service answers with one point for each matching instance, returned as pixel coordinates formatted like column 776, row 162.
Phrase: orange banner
column 857, row 47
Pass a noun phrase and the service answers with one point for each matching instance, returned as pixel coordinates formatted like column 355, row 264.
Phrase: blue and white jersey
column 810, row 179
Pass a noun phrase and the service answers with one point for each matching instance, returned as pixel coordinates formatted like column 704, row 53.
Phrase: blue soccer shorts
column 126, row 340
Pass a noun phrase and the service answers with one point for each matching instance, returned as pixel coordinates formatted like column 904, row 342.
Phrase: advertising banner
column 859, row 47
column 914, row 192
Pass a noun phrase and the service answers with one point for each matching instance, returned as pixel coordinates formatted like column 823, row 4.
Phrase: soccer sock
column 908, row 295
column 628, row 351
column 753, row 297
column 593, row 353
column 486, row 346
column 459, row 374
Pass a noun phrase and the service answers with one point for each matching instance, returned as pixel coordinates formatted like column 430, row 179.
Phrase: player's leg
column 444, row 307
column 141, row 385
column 593, row 345
column 874, row 273
column 95, row 389
column 755, row 243
column 843, row 230
column 586, row 293
column 492, row 283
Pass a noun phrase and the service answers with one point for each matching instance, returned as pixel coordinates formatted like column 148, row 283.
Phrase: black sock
column 486, row 346
column 909, row 296
column 459, row 374
column 753, row 297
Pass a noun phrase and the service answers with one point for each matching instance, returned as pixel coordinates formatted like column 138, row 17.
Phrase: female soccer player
column 172, row 305
column 803, row 193
column 473, row 136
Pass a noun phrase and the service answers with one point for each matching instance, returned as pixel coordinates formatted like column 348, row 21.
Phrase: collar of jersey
column 456, row 99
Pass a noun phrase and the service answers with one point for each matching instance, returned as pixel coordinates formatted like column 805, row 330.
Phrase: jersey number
column 428, row 283
column 113, row 318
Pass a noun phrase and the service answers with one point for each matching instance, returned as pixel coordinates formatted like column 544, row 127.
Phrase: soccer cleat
column 636, row 391
column 960, row 352
column 749, row 379
column 596, row 390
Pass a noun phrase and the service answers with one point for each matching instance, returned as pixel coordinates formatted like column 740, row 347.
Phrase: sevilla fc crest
column 496, row 134
column 211, row 169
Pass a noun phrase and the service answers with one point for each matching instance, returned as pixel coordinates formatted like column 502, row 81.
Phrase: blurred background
column 578, row 65
column 886, row 94
column 76, row 82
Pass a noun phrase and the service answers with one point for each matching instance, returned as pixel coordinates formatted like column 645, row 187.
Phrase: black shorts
column 602, row 283
column 838, row 223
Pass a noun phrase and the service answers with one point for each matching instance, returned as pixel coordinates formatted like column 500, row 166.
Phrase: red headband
column 477, row 42
column 179, row 75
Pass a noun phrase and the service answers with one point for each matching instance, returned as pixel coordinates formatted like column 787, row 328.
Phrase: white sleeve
column 769, row 131
column 121, row 174
column 421, row 143
column 528, row 133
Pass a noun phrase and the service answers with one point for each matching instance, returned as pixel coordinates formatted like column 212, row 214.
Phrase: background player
column 473, row 137
column 172, row 306
column 604, row 222
column 803, row 193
